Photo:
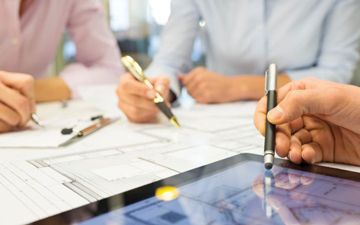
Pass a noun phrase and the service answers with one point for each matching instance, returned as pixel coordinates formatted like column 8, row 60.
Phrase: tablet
column 237, row 190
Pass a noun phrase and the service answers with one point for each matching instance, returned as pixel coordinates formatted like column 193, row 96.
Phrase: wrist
column 246, row 87
column 251, row 87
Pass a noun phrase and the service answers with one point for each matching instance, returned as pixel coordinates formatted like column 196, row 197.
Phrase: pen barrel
column 91, row 129
column 270, row 129
column 165, row 109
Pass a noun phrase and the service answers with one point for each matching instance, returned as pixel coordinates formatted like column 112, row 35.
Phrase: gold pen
column 136, row 71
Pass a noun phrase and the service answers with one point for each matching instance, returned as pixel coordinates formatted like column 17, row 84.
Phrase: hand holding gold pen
column 137, row 72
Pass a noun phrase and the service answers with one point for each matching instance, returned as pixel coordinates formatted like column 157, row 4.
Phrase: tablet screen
column 246, row 194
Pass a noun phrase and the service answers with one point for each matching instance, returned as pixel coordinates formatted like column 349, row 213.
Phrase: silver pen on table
column 36, row 119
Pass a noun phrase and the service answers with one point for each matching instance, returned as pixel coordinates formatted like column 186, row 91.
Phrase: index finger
column 307, row 83
column 131, row 86
column 23, row 83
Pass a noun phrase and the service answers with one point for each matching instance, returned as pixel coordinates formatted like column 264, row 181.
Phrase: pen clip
column 35, row 118
column 271, row 78
column 134, row 68
column 266, row 81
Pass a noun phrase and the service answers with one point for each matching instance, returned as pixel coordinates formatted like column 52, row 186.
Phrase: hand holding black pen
column 136, row 71
column 270, row 129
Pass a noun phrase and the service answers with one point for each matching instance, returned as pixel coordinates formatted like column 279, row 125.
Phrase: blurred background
column 137, row 26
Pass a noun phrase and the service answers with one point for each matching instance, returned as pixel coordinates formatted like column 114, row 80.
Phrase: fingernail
column 160, row 88
column 150, row 94
column 292, row 155
column 275, row 114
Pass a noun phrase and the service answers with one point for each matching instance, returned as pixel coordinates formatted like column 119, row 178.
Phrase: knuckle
column 296, row 85
column 297, row 101
column 28, row 80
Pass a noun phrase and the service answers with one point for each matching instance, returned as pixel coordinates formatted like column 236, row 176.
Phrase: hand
column 136, row 100
column 317, row 121
column 44, row 89
column 16, row 100
column 208, row 87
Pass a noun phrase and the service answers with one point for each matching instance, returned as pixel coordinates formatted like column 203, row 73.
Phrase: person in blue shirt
column 318, row 38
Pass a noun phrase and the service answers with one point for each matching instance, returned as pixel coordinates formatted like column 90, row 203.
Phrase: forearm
column 252, row 87
column 97, row 55
column 51, row 89
column 177, row 39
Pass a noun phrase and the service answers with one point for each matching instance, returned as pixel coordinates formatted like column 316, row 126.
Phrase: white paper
column 53, row 118
column 119, row 157
column 102, row 97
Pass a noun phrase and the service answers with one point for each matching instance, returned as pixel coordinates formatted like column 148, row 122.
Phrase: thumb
column 296, row 104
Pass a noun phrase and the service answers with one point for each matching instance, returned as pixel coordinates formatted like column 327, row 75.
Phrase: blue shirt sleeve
column 174, row 54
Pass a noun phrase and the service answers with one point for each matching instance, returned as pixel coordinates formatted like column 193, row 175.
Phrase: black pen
column 136, row 71
column 270, row 129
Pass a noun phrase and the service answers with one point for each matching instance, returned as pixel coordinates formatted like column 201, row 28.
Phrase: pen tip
column 268, row 166
column 36, row 120
column 175, row 122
